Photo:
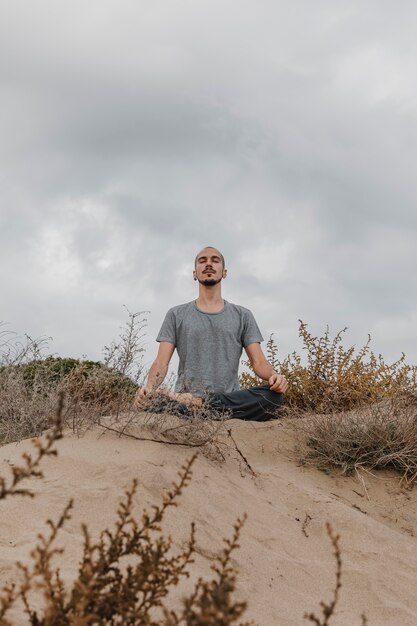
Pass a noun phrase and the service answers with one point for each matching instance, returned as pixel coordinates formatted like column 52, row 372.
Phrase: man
column 209, row 334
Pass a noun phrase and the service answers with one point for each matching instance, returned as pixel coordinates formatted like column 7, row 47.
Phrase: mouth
column 208, row 272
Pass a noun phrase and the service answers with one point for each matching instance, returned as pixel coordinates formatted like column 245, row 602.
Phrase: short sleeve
column 251, row 332
column 168, row 330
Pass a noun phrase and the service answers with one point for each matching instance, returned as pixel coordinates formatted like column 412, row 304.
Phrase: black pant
column 257, row 403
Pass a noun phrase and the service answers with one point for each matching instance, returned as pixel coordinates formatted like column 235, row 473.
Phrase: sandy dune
column 285, row 560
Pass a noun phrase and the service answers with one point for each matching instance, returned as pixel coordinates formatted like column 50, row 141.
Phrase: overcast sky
column 134, row 133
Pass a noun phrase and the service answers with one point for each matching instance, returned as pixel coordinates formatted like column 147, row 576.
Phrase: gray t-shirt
column 209, row 345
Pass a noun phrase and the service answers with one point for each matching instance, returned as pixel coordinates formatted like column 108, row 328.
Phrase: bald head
column 208, row 252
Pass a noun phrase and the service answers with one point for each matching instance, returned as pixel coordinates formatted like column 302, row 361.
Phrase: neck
column 210, row 297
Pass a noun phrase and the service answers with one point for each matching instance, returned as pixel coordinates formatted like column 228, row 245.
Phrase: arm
column 264, row 369
column 158, row 370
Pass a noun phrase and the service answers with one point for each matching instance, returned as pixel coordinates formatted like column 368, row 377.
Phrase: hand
column 278, row 383
column 141, row 396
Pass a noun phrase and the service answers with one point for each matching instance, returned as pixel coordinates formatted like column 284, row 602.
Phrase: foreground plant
column 107, row 590
column 328, row 609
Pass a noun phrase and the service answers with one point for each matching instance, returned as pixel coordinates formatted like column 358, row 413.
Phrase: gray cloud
column 134, row 134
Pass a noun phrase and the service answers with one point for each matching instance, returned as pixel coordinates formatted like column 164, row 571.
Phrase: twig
column 168, row 443
column 363, row 483
column 307, row 519
column 328, row 609
column 238, row 450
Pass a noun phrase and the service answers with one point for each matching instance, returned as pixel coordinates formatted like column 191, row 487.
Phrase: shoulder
column 180, row 310
column 239, row 310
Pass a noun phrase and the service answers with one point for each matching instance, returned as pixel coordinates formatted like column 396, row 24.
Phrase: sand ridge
column 285, row 559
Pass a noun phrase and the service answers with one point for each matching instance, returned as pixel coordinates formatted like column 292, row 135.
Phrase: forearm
column 156, row 375
column 263, row 369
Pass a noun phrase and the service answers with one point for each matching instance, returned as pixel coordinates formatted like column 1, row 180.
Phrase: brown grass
column 380, row 436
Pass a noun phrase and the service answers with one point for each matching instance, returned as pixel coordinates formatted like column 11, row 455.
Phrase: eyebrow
column 203, row 258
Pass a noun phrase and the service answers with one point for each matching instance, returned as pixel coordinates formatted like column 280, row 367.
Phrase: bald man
column 209, row 335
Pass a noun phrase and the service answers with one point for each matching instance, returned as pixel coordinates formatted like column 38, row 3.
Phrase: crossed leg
column 256, row 403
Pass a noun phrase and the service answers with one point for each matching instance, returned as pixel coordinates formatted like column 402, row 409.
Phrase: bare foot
column 184, row 398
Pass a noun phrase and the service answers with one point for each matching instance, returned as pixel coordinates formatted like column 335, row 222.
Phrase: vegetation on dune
column 30, row 383
column 333, row 377
column 379, row 436
column 356, row 409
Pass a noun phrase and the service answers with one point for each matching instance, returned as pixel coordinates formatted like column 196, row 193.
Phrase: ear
column 224, row 273
column 194, row 275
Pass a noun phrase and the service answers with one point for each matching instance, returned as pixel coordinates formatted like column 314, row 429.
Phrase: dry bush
column 15, row 350
column 23, row 413
column 30, row 467
column 30, row 383
column 24, row 407
column 383, row 435
column 93, row 393
column 125, row 354
column 336, row 378
column 110, row 590
column 29, row 393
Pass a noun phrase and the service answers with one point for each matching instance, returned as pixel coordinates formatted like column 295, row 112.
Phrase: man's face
column 209, row 268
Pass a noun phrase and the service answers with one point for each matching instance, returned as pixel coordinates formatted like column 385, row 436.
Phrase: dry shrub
column 23, row 412
column 15, row 350
column 109, row 589
column 383, row 435
column 335, row 378
column 24, row 405
column 29, row 394
column 30, row 467
column 30, row 383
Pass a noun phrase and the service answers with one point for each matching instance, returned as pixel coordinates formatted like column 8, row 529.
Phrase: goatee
column 209, row 282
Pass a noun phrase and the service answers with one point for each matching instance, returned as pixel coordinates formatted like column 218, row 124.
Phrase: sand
column 285, row 560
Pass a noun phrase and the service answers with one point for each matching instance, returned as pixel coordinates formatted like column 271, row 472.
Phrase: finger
column 280, row 386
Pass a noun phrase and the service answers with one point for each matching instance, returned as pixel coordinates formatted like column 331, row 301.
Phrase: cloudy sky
column 134, row 133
